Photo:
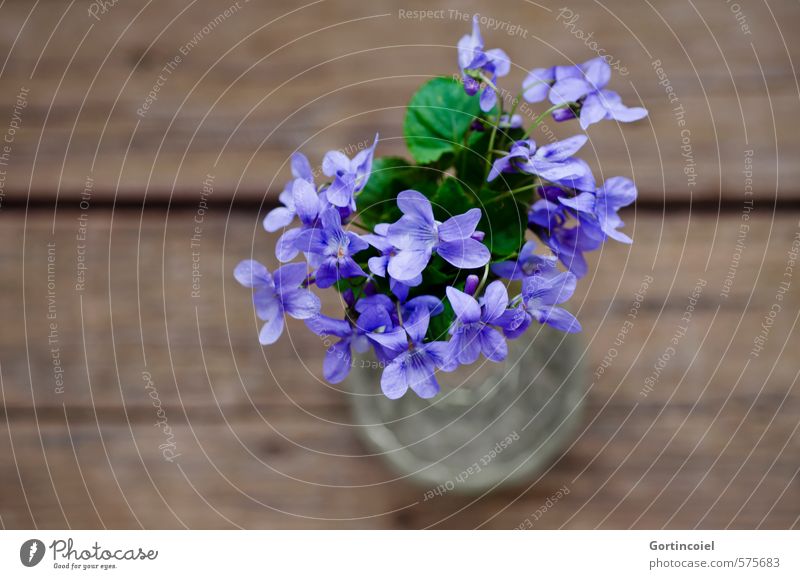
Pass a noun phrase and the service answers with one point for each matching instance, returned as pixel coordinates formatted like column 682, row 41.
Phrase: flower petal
column 271, row 331
column 306, row 201
column 561, row 150
column 493, row 345
column 394, row 341
column 278, row 218
column 420, row 375
column 439, row 353
column 460, row 226
column 465, row 344
column 301, row 304
column 495, row 301
column 597, row 72
column 537, row 84
column 323, row 325
column 290, row 276
column 558, row 318
column 338, row 361
column 335, row 161
column 394, row 382
column 488, row 99
column 549, row 290
column 569, row 89
column 301, row 168
column 498, row 57
column 286, row 246
column 584, row 202
column 464, row 253
column 251, row 273
column 415, row 204
column 465, row 306
column 408, row 264
column 417, row 325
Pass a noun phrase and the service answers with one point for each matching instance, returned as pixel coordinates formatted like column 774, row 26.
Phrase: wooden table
column 97, row 330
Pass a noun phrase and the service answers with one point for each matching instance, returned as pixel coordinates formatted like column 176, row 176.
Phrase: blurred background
column 144, row 141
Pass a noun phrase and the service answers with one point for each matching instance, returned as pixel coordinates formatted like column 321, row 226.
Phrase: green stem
column 359, row 224
column 483, row 280
column 516, row 104
column 513, row 192
column 541, row 117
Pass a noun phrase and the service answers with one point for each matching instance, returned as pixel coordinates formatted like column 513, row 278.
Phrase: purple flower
column 478, row 65
column 281, row 217
column 358, row 336
column 514, row 122
column 417, row 235
column 306, row 204
column 472, row 332
column 349, row 175
column 330, row 249
column 414, row 362
column 554, row 162
column 537, row 84
column 616, row 193
column 378, row 264
column 527, row 263
column 570, row 243
column 586, row 84
column 276, row 295
column 538, row 301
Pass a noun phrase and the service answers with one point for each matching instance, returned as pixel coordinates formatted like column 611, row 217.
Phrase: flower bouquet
column 424, row 253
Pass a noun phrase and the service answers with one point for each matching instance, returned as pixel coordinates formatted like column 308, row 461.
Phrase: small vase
column 492, row 424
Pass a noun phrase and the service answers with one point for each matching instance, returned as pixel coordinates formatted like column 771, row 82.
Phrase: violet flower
column 378, row 264
column 281, row 217
column 538, row 301
column 554, row 162
column 330, row 249
column 616, row 193
column 537, row 84
column 569, row 244
column 527, row 263
column 307, row 205
column 358, row 336
column 414, row 362
column 472, row 332
column 349, row 175
column 277, row 294
column 585, row 84
column 478, row 65
column 417, row 235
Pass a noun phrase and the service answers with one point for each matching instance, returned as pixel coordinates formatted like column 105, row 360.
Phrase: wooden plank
column 711, row 444
column 136, row 312
column 328, row 76
column 647, row 471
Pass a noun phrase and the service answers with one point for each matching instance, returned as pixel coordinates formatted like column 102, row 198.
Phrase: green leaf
column 440, row 324
column 390, row 175
column 451, row 199
column 504, row 223
column 437, row 118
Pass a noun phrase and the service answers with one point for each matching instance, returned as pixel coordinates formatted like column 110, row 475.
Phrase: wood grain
column 274, row 77
column 264, row 443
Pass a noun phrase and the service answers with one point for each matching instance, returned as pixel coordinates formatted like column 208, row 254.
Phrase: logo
column 31, row 552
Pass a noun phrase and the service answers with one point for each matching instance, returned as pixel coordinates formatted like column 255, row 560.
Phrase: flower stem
column 513, row 192
column 483, row 280
column 359, row 224
column 541, row 117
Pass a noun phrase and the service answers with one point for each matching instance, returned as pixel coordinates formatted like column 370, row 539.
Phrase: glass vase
column 492, row 424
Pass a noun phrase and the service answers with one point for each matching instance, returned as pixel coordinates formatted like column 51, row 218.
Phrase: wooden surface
column 263, row 441
column 280, row 75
